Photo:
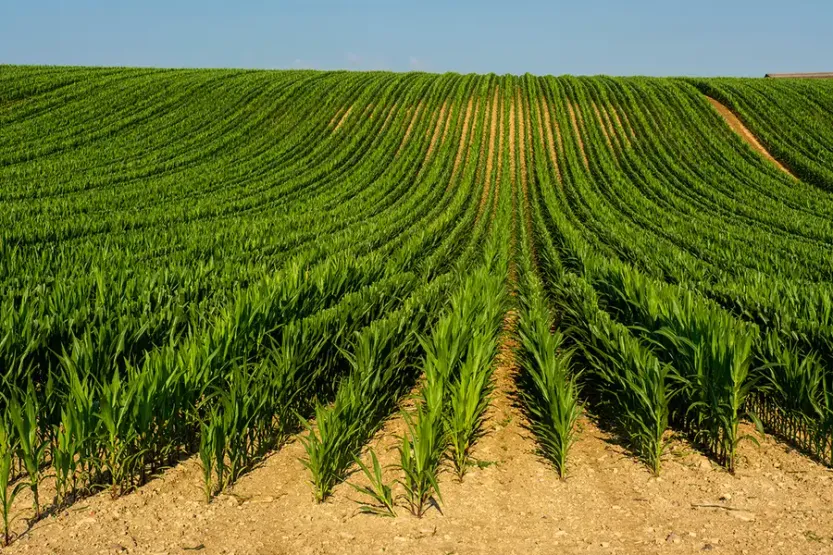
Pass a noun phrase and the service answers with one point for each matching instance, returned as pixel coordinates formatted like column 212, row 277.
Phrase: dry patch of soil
column 739, row 128
column 778, row 502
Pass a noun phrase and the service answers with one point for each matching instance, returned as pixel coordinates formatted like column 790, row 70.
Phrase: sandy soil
column 549, row 125
column 627, row 119
column 739, row 128
column 778, row 502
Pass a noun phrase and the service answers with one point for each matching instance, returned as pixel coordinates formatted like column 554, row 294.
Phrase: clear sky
column 638, row 37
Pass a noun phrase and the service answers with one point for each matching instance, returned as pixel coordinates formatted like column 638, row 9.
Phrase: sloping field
column 533, row 311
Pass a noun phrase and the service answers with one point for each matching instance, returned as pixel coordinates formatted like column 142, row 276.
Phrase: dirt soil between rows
column 739, row 128
column 779, row 502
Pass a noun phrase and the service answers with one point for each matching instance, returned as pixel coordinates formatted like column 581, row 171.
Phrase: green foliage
column 210, row 261
column 420, row 452
column 8, row 491
column 548, row 385
column 379, row 491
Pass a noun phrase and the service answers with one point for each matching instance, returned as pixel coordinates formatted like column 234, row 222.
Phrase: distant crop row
column 210, row 262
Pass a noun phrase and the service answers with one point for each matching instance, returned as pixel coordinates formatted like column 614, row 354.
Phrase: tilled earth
column 512, row 502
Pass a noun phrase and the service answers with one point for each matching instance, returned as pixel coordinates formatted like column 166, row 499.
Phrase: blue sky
column 671, row 37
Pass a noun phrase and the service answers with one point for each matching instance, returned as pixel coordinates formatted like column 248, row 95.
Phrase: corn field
column 209, row 263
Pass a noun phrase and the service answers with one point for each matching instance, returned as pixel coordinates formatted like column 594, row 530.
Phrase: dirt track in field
column 739, row 128
column 525, row 134
column 499, row 155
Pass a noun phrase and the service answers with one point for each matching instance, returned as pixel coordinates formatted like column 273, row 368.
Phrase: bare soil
column 549, row 125
column 447, row 125
column 739, row 128
column 628, row 123
column 779, row 502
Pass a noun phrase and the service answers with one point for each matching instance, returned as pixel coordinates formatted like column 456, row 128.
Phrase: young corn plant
column 381, row 359
column 620, row 370
column 709, row 348
column 475, row 313
column 77, row 441
column 548, row 387
column 31, row 449
column 796, row 382
column 381, row 493
column 638, row 383
column 207, row 458
column 326, row 450
column 469, row 398
column 420, row 453
column 218, row 446
column 115, row 399
column 66, row 454
column 8, row 493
